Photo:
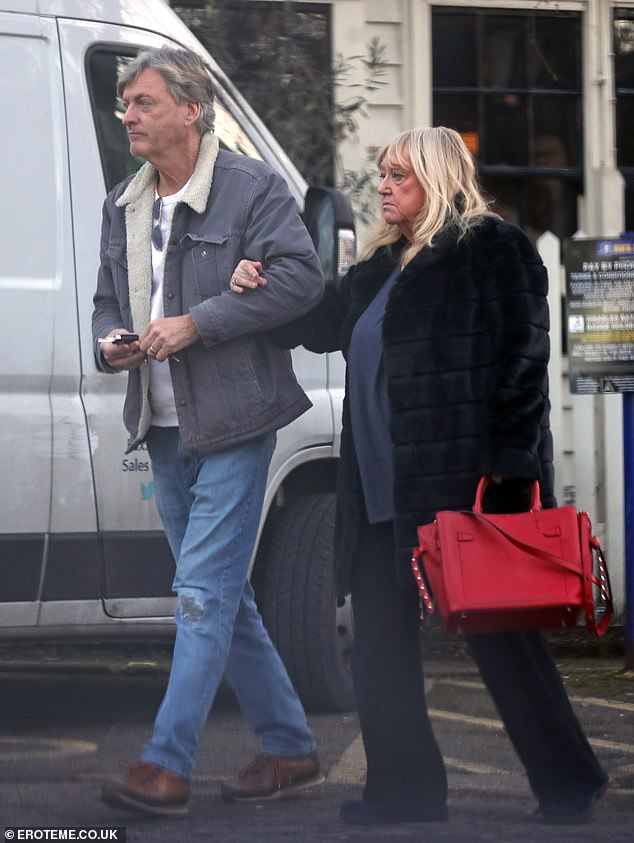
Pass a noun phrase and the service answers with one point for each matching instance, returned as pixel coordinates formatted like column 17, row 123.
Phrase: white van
column 82, row 551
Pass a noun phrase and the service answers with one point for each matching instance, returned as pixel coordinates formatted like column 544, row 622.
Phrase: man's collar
column 197, row 192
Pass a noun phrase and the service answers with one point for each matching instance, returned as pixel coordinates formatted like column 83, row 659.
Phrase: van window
column 230, row 134
column 103, row 68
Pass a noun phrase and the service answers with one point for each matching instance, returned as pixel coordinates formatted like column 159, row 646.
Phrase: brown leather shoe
column 149, row 788
column 270, row 776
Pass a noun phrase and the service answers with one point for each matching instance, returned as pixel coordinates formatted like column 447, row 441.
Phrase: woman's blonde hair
column 445, row 169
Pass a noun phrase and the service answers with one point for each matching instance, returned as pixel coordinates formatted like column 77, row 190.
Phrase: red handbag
column 526, row 570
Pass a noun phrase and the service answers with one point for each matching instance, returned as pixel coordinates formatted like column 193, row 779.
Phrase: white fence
column 588, row 434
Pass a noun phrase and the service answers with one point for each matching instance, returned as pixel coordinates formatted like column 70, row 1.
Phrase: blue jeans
column 210, row 507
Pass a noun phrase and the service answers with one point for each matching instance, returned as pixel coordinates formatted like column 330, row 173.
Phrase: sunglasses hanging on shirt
column 157, row 234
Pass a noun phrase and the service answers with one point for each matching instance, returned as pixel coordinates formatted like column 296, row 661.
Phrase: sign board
column 600, row 314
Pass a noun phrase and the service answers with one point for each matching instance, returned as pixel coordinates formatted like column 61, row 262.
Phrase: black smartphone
column 124, row 338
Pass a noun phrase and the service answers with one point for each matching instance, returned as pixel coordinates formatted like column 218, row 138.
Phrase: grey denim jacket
column 234, row 384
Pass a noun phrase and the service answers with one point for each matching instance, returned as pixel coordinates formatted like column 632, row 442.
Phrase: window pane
column 230, row 134
column 506, row 196
column 506, row 130
column 629, row 205
column 624, row 51
column 454, row 42
column 553, row 53
column 535, row 204
column 551, row 205
column 114, row 147
column 557, row 138
column 625, row 131
column 459, row 112
column 624, row 83
column 503, row 53
column 525, row 116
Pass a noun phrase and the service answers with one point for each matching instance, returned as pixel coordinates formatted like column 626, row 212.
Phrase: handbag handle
column 483, row 484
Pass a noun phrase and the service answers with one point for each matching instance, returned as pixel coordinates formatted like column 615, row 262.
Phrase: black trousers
column 406, row 776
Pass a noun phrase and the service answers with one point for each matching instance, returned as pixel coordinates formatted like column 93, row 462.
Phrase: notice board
column 600, row 314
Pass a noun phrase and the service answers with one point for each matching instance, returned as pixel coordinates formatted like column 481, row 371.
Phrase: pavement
column 68, row 721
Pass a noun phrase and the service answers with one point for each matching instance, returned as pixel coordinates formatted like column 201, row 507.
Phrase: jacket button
column 182, row 402
column 170, row 295
column 204, row 253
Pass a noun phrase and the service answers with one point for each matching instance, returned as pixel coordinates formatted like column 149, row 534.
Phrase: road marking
column 29, row 748
column 490, row 723
column 478, row 769
column 351, row 765
column 462, row 683
column 622, row 772
column 475, row 685
column 486, row 722
column 614, row 745
column 619, row 706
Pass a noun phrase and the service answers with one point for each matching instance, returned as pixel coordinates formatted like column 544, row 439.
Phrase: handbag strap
column 426, row 603
column 527, row 548
column 605, row 589
column 588, row 577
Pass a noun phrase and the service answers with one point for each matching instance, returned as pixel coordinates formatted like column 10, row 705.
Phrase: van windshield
column 103, row 66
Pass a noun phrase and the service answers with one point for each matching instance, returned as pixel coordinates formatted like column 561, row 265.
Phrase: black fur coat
column 465, row 350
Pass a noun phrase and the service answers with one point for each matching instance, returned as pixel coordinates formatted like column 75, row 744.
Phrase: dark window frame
column 623, row 95
column 524, row 170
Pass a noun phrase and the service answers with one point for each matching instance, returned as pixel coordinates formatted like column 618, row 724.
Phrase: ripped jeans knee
column 191, row 606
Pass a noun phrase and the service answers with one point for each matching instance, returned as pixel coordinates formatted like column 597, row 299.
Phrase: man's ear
column 193, row 112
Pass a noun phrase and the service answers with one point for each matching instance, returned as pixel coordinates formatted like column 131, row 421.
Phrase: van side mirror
column 330, row 222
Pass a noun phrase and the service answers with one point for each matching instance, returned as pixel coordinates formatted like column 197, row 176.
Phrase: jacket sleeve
column 320, row 329
column 514, row 290
column 106, row 314
column 274, row 234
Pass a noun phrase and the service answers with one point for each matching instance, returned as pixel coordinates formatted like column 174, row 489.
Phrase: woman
column 444, row 326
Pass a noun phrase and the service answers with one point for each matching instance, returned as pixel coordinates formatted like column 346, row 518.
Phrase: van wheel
column 295, row 591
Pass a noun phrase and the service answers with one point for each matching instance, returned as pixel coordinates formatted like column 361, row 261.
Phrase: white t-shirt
column 161, row 392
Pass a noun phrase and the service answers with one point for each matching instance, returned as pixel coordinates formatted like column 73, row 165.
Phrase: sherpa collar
column 197, row 192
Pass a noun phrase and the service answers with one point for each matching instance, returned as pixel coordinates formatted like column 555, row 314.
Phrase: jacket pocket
column 117, row 253
column 118, row 259
column 210, row 256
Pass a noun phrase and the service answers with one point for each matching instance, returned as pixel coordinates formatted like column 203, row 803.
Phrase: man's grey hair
column 187, row 77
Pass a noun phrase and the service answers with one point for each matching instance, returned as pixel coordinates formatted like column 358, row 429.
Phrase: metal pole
column 628, row 478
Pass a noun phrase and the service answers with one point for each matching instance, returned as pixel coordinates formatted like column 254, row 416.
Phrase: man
column 206, row 392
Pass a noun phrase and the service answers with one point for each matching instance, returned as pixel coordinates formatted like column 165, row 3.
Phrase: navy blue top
column 369, row 409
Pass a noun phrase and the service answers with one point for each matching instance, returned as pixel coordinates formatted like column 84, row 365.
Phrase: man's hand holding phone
column 121, row 350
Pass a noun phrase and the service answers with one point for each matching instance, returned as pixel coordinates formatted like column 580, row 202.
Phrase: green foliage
column 279, row 56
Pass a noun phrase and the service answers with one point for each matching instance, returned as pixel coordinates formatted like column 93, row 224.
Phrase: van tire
column 295, row 591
